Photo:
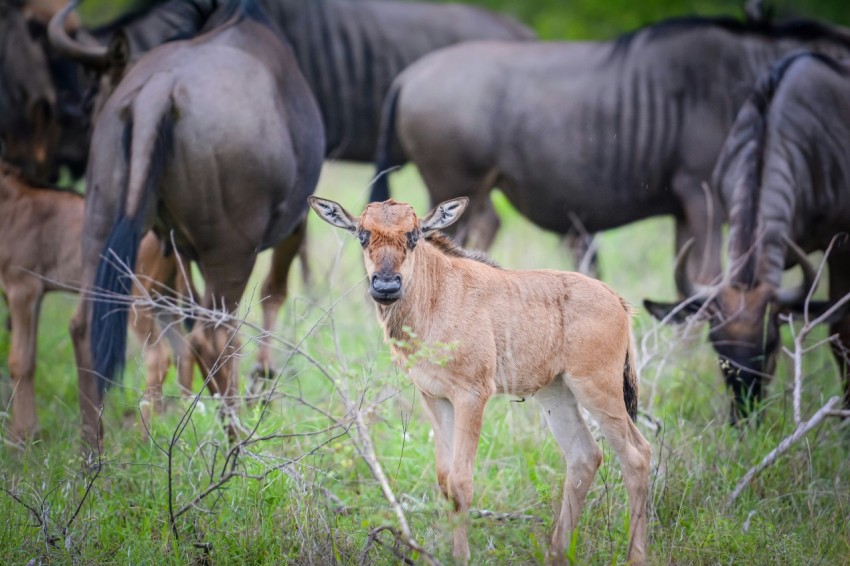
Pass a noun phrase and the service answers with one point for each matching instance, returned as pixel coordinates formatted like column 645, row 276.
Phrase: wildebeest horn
column 63, row 43
column 796, row 296
column 683, row 283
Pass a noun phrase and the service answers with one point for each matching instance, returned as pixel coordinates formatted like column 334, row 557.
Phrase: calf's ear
column 445, row 214
column 333, row 213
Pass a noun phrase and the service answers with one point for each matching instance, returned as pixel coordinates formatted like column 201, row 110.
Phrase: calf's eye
column 364, row 237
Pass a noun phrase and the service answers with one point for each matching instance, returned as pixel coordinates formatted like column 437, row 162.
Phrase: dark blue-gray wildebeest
column 603, row 133
column 216, row 142
column 561, row 337
column 27, row 96
column 350, row 52
column 784, row 178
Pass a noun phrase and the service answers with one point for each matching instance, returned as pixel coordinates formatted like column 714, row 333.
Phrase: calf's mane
column 448, row 247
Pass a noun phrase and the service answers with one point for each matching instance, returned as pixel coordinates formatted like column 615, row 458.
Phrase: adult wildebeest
column 27, row 96
column 783, row 175
column 218, row 141
column 40, row 252
column 350, row 52
column 605, row 133
column 562, row 337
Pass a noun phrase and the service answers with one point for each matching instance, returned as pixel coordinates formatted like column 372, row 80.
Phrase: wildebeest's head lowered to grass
column 783, row 176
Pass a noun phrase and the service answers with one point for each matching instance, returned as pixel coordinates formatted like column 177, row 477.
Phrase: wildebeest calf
column 558, row 336
column 40, row 251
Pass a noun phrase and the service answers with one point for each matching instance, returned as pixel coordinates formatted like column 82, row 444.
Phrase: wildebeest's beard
column 746, row 344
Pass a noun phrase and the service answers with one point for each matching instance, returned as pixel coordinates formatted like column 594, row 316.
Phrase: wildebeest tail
column 386, row 138
column 630, row 382
column 147, row 134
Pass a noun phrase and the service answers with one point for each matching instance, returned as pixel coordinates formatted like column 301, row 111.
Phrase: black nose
column 385, row 287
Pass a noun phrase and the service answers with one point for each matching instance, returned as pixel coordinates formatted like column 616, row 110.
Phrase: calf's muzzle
column 385, row 288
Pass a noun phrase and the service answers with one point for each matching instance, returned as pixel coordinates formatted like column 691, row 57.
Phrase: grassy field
column 283, row 503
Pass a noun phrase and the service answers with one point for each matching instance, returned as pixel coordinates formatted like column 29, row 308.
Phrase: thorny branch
column 169, row 302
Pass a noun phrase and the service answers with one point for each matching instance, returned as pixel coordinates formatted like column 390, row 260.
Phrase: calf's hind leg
column 583, row 458
column 602, row 395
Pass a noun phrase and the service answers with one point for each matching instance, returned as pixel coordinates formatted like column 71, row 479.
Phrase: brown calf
column 558, row 336
column 40, row 251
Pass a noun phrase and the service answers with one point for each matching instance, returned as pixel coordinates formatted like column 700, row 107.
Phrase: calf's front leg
column 442, row 416
column 468, row 412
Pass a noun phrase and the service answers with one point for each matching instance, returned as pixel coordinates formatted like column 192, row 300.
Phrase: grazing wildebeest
column 218, row 141
column 783, row 175
column 27, row 97
column 605, row 133
column 350, row 52
column 562, row 337
column 40, row 252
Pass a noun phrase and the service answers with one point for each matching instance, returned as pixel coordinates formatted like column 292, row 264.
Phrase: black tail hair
column 109, row 315
column 630, row 386
column 112, row 280
column 383, row 157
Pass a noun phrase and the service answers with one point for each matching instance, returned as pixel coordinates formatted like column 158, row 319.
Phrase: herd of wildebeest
column 201, row 126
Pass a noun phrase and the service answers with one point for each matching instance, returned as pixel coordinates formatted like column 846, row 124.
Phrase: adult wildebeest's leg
column 581, row 452
column 442, row 416
column 839, row 285
column 702, row 220
column 216, row 346
column 89, row 394
column 24, row 304
column 468, row 412
column 274, row 293
column 582, row 248
column 477, row 228
column 602, row 394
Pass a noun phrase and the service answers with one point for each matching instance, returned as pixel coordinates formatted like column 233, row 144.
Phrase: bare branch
column 783, row 446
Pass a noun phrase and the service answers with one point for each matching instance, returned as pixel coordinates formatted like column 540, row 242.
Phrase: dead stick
column 801, row 431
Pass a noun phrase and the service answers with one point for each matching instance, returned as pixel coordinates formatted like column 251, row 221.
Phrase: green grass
column 796, row 512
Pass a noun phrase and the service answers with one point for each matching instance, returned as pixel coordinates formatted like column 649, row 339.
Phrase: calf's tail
column 630, row 375
column 630, row 383
column 147, row 134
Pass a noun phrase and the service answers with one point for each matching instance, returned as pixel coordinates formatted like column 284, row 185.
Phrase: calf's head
column 389, row 232
column 744, row 320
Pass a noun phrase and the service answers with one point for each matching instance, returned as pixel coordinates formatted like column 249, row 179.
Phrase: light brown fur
column 41, row 252
column 558, row 336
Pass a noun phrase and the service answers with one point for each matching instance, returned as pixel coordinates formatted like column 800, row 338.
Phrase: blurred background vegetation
column 576, row 19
